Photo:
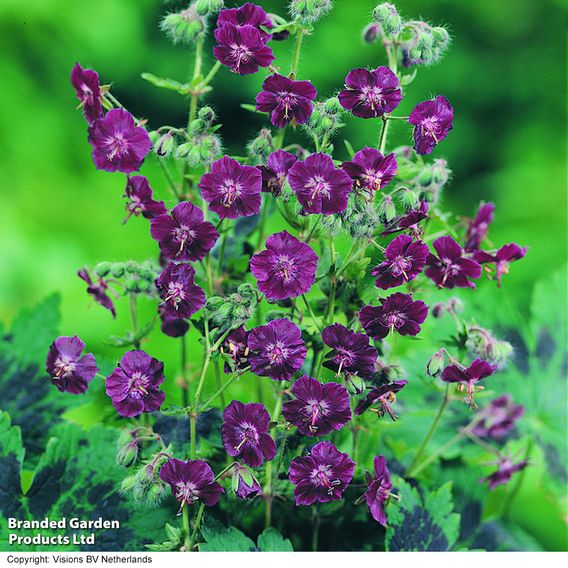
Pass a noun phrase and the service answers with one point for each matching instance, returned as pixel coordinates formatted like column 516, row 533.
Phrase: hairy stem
column 183, row 363
column 134, row 318
column 297, row 49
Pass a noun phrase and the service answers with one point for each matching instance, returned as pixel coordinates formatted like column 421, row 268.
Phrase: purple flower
column 232, row 190
column 370, row 170
column 450, row 268
column 398, row 312
column 378, row 490
column 505, row 470
column 139, row 194
column 173, row 327
column 383, row 396
column 98, row 291
column 322, row 476
column 236, row 347
column 286, row 100
column 369, row 94
column 275, row 172
column 181, row 297
column 478, row 227
column 501, row 258
column 133, row 385
column 244, row 433
column 468, row 378
column 404, row 261
column 86, row 85
column 319, row 408
column 245, row 484
column 319, row 185
column 184, row 234
column 247, row 14
column 499, row 418
column 432, row 121
column 242, row 48
column 408, row 220
column 350, row 353
column 69, row 370
column 277, row 349
column 191, row 481
column 118, row 144
column 286, row 269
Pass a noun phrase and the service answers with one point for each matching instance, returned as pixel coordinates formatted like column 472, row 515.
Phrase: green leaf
column 251, row 108
column 272, row 541
column 422, row 523
column 221, row 539
column 163, row 83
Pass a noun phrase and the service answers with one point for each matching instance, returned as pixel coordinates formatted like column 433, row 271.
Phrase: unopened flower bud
column 371, row 32
column 197, row 126
column 244, row 483
column 128, row 454
column 308, row 12
column 441, row 37
column 207, row 114
column 387, row 209
column 261, row 147
column 435, row 364
column 455, row 304
column 438, row 310
column 184, row 26
column 117, row 270
column 499, row 353
column 205, row 7
column 102, row 269
column 409, row 199
column 165, row 145
column 387, row 16
column 355, row 384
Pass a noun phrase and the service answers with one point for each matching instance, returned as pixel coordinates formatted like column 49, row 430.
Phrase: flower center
column 373, row 179
column 315, row 410
column 87, row 95
column 231, row 191
column 138, row 385
column 318, row 186
column 285, row 268
column 343, row 358
column 287, row 100
column 186, row 492
column 373, row 96
column 401, row 265
column 241, row 54
column 430, row 127
column 117, row 145
column 248, row 433
column 321, row 477
column 276, row 353
column 183, row 234
column 176, row 293
column 393, row 319
column 64, row 367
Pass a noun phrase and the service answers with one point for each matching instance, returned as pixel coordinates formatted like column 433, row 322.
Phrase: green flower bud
column 165, row 145
column 424, row 41
column 261, row 147
column 183, row 150
column 102, row 269
column 387, row 209
column 360, row 218
column 117, row 270
column 132, row 285
column 387, row 16
column 128, row 454
column 184, row 26
column 435, row 364
column 308, row 12
column 325, row 118
column 441, row 38
column 355, row 384
column 144, row 286
column 409, row 199
column 154, row 135
column 198, row 126
column 205, row 7
column 207, row 114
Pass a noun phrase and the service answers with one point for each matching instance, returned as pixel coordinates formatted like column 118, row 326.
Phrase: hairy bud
column 325, row 118
column 387, row 16
column 184, row 26
column 207, row 115
column 128, row 454
column 164, row 145
column 261, row 147
column 481, row 343
column 308, row 12
column 435, row 364
column 205, row 7
column 387, row 209
column 355, row 384
column 371, row 32
column 231, row 312
column 422, row 44
column 360, row 218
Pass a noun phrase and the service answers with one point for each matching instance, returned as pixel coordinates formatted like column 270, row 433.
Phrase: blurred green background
column 504, row 75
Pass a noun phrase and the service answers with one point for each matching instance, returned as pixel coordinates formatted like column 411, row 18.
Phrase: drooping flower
column 407, row 221
column 173, row 327
column 467, row 379
column 505, row 470
column 242, row 48
column 432, row 121
column 118, row 144
column 286, row 100
column 383, row 396
column 248, row 14
column 319, row 408
column 236, row 346
column 70, row 371
column 191, row 481
column 181, row 297
column 378, row 490
column 501, row 258
column 319, row 185
column 478, row 227
column 86, row 85
column 133, row 385
column 370, row 170
column 350, row 352
column 98, row 291
column 450, row 268
column 244, row 433
column 184, row 234
column 140, row 200
column 232, row 190
column 245, row 484
column 398, row 312
column 322, row 476
column 404, row 261
column 275, row 172
column 498, row 418
column 369, row 94
column 277, row 349
column 286, row 269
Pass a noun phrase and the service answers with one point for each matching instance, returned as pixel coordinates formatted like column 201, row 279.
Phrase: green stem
column 511, row 496
column 196, row 527
column 383, row 136
column 211, row 74
column 261, row 224
column 169, row 178
column 434, row 456
column 134, row 318
column 311, row 312
column 297, row 49
column 186, row 531
column 222, row 389
column 431, row 431
column 196, row 72
column 331, row 309
column 267, row 492
column 315, row 528
column 184, row 389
